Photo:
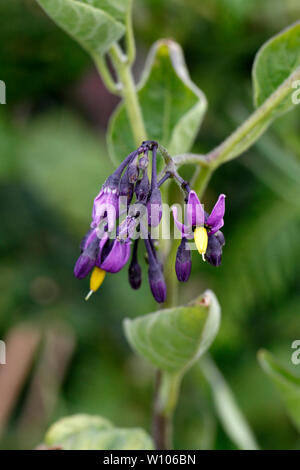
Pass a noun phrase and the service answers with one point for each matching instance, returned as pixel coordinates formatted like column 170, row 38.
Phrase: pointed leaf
column 287, row 384
column 93, row 27
column 84, row 432
column 172, row 105
column 172, row 339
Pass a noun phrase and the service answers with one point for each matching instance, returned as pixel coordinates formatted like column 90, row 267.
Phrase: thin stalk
column 105, row 74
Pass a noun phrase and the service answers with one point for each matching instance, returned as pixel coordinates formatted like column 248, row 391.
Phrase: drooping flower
column 106, row 204
column 202, row 227
column 127, row 207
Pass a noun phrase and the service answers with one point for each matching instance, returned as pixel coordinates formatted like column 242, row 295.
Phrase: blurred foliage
column 52, row 165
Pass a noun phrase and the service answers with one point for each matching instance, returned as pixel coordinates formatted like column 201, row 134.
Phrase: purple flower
column 113, row 254
column 183, row 264
column 201, row 226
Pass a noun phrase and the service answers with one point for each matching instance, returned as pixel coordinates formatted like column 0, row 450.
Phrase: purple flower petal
column 184, row 229
column 195, row 211
column 117, row 257
column 215, row 221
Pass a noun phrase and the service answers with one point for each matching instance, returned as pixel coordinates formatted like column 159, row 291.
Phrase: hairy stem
column 129, row 94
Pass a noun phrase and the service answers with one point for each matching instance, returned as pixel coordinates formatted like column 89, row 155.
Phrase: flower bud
column 183, row 264
column 142, row 188
column 135, row 274
column 157, row 282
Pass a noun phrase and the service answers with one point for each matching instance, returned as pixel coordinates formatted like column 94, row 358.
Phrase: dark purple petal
column 215, row 221
column 183, row 264
column 87, row 259
column 83, row 266
column 195, row 211
column 214, row 249
column 116, row 258
column 220, row 237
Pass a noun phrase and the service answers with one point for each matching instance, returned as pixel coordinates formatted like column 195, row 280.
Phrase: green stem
column 166, row 396
column 130, row 42
column 129, row 94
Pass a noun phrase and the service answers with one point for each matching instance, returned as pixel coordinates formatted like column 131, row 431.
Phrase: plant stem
column 128, row 92
column 165, row 399
column 130, row 42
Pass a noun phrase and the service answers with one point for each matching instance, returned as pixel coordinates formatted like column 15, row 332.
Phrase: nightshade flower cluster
column 124, row 213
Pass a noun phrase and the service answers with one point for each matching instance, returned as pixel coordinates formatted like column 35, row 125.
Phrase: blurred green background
column 53, row 162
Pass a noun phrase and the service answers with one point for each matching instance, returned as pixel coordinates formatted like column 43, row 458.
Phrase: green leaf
column 84, row 432
column 172, row 339
column 92, row 23
column 274, row 63
column 227, row 408
column 118, row 9
column 172, row 105
column 287, row 384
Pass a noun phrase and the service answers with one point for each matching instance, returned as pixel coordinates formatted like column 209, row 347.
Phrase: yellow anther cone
column 96, row 279
column 201, row 240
